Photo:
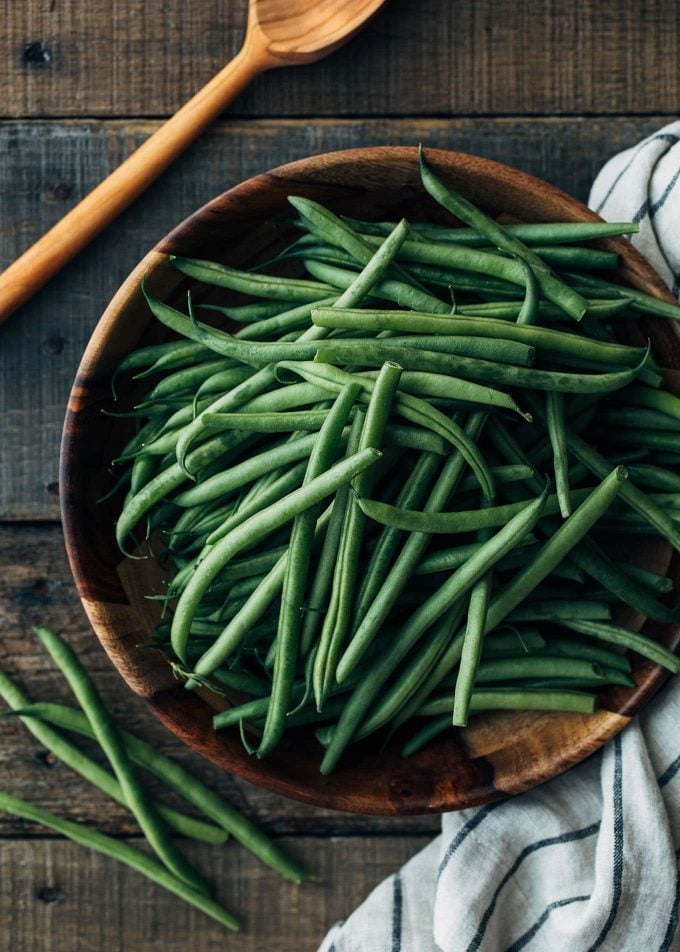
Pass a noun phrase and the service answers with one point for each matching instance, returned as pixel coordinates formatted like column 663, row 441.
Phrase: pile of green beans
column 397, row 492
column 125, row 753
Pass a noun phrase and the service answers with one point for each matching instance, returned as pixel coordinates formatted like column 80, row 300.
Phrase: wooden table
column 554, row 88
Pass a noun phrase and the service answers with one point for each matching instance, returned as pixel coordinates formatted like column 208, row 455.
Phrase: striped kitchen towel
column 589, row 860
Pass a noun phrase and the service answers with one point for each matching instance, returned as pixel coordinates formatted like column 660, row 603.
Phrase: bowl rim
column 177, row 712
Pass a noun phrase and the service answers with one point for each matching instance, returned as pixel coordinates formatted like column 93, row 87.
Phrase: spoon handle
column 105, row 202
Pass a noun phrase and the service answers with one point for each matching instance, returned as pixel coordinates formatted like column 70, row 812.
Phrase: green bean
column 633, row 640
column 654, row 477
column 325, row 570
column 122, row 852
column 143, row 470
column 187, row 379
column 536, row 666
column 555, row 609
column 168, row 480
column 659, row 400
column 177, row 778
column 555, row 343
column 633, row 496
column 409, row 407
column 510, row 310
column 512, row 642
column 248, row 282
column 610, row 676
column 394, row 697
column 408, row 558
column 517, row 699
column 323, row 224
column 338, row 617
column 413, row 493
column 637, row 436
column 244, row 472
column 256, row 527
column 260, row 311
column 265, row 422
column 502, row 475
column 558, row 441
column 595, row 563
column 531, row 304
column 299, row 555
column 626, row 417
column 581, row 649
column 433, row 608
column 553, row 288
column 427, row 733
column 660, row 583
column 109, row 739
column 573, row 256
column 482, row 348
column 95, row 774
column 219, row 383
column 148, row 356
column 639, row 301
column 448, row 523
column 445, row 386
column 369, row 352
column 567, row 536
column 549, row 233
column 389, row 290
column 472, row 643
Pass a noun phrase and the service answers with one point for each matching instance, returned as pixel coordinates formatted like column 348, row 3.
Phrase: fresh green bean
column 572, row 648
column 595, row 563
column 256, row 527
column 408, row 558
column 413, row 493
column 558, row 440
column 338, row 617
column 411, row 408
column 553, row 288
column 432, row 729
column 95, row 774
column 109, row 739
column 543, row 233
column 660, row 583
column 123, row 853
column 554, row 343
column 633, row 496
column 536, row 666
column 428, row 613
column 516, row 699
column 637, row 642
column 260, row 311
column 248, row 282
column 554, row 609
column 472, row 642
column 180, row 780
column 567, row 536
column 299, row 555
column 639, row 300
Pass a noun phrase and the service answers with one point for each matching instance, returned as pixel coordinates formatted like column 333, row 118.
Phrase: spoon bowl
column 302, row 31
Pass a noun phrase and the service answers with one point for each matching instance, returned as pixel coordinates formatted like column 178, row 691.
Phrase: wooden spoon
column 279, row 33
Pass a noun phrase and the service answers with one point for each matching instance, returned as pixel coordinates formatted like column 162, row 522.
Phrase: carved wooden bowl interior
column 499, row 753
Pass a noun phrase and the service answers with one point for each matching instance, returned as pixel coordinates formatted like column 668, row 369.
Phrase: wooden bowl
column 498, row 754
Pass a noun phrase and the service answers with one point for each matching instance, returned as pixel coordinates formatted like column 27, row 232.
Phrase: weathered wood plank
column 54, row 897
column 489, row 57
column 36, row 588
column 48, row 165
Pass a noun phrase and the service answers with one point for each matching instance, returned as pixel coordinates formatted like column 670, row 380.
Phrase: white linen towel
column 589, row 860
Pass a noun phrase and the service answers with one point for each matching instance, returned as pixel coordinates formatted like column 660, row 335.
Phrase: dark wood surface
column 551, row 88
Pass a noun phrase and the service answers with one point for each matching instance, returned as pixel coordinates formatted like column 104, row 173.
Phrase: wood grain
column 36, row 588
column 485, row 57
column 56, row 897
column 48, row 166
